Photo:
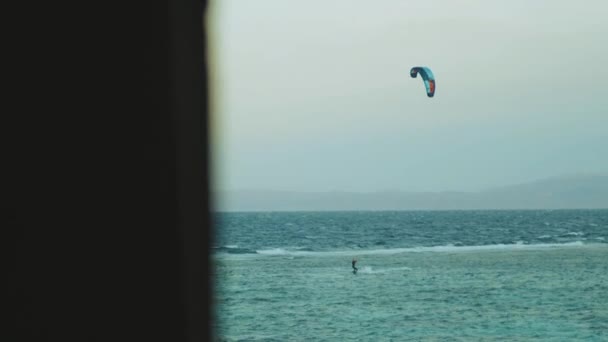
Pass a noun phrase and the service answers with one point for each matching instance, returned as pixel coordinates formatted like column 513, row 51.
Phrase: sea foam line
column 436, row 249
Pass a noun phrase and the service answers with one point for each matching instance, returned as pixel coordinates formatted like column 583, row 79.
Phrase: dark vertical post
column 189, row 104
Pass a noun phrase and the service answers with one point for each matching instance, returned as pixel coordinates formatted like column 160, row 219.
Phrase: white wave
column 436, row 249
column 275, row 251
column 371, row 270
column 574, row 234
column 283, row 251
column 542, row 237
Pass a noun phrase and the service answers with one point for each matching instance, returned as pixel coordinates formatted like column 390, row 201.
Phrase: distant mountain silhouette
column 587, row 191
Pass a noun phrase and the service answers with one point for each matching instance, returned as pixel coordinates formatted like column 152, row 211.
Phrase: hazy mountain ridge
column 570, row 192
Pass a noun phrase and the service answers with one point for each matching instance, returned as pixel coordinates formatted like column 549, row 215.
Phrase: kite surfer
column 355, row 269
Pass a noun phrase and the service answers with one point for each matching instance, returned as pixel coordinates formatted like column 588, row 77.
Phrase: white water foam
column 574, row 234
column 276, row 251
column 284, row 251
column 371, row 270
column 438, row 249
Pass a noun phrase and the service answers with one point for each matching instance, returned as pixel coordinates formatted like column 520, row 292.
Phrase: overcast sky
column 316, row 95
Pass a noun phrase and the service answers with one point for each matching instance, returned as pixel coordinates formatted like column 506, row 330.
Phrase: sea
column 530, row 275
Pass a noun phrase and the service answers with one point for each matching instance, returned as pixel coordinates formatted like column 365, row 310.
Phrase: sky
column 316, row 95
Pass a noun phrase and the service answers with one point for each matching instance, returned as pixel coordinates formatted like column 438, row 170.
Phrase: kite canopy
column 427, row 77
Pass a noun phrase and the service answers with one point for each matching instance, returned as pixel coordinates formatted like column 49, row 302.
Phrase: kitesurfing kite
column 427, row 77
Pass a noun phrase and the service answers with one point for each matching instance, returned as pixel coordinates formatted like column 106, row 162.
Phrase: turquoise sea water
column 423, row 276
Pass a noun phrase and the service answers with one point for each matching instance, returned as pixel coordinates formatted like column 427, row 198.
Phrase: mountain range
column 589, row 191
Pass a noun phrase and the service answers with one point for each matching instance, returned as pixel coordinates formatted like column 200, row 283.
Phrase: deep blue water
column 423, row 275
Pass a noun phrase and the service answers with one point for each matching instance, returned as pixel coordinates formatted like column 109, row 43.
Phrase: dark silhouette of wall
column 108, row 208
